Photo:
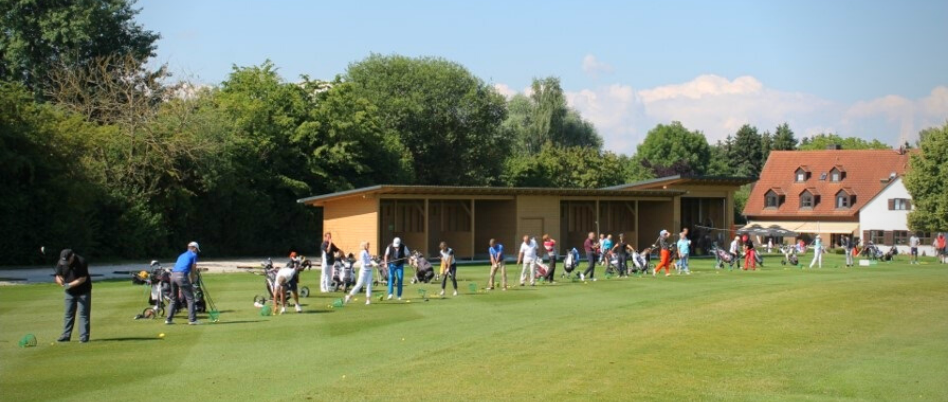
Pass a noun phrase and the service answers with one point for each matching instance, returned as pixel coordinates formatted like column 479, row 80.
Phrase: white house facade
column 884, row 220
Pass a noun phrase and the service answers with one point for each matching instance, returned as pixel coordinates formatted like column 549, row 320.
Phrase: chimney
column 834, row 147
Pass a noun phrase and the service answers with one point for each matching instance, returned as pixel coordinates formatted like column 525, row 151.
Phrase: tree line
column 118, row 159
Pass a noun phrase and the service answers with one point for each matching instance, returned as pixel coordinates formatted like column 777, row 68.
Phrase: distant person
column 528, row 255
column 942, row 247
column 365, row 274
column 329, row 250
column 664, row 247
column 394, row 259
column 621, row 250
column 605, row 246
column 914, row 242
column 601, row 252
column 684, row 251
column 181, row 282
column 770, row 245
column 847, row 243
column 496, row 251
column 449, row 267
column 750, row 255
column 285, row 280
column 735, row 251
column 72, row 273
column 817, row 252
column 590, row 246
column 549, row 246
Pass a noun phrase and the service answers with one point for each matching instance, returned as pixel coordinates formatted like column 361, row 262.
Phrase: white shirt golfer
column 528, row 249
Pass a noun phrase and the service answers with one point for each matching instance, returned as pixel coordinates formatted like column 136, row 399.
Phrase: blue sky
column 864, row 68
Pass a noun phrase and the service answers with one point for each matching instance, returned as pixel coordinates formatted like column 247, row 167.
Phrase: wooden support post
column 427, row 230
column 472, row 230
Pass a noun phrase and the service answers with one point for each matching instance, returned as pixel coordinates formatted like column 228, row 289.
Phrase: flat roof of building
column 399, row 189
column 684, row 179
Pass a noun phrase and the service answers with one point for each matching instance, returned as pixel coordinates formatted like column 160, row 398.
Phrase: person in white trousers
column 528, row 255
column 817, row 252
column 366, row 266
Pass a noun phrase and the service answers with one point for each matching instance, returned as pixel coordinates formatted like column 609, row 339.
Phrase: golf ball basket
column 28, row 341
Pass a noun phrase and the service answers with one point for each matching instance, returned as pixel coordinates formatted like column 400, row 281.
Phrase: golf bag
column 724, row 256
column 612, row 264
column 890, row 255
column 789, row 256
column 424, row 271
column 758, row 257
column 570, row 262
column 159, row 295
column 382, row 277
column 640, row 262
column 269, row 275
column 343, row 274
column 871, row 251
column 542, row 269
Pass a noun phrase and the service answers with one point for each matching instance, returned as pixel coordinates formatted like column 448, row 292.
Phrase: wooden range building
column 468, row 217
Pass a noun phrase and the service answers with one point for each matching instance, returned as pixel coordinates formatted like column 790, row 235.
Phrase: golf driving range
column 781, row 333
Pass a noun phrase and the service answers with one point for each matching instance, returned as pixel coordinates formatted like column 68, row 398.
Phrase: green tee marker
column 214, row 315
column 338, row 303
column 472, row 287
column 266, row 311
column 28, row 341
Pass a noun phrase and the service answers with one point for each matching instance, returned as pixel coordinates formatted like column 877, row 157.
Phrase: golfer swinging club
column 395, row 255
column 181, row 281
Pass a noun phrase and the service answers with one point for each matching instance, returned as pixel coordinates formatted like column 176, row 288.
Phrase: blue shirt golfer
column 181, row 283
column 394, row 259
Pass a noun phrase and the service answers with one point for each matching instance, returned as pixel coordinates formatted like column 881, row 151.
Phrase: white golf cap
column 195, row 245
column 663, row 232
column 397, row 242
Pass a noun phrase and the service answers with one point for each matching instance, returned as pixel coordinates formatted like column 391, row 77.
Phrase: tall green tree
column 447, row 118
column 766, row 145
column 674, row 146
column 544, row 116
column 39, row 35
column 46, row 196
column 823, row 140
column 747, row 156
column 925, row 181
column 567, row 167
column 783, row 139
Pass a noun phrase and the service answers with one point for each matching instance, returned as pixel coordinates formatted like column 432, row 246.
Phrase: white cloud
column 718, row 107
column 594, row 67
column 505, row 90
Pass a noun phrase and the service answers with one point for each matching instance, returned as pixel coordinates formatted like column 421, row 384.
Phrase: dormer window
column 845, row 199
column 809, row 198
column 773, row 198
column 801, row 174
column 837, row 174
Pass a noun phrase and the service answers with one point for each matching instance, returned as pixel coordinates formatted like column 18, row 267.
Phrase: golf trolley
column 160, row 293
column 269, row 273
column 789, row 255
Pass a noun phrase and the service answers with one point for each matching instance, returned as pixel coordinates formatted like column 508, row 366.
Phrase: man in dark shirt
column 72, row 273
column 329, row 250
column 590, row 246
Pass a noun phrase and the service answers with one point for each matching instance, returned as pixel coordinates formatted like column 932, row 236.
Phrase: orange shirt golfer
column 664, row 246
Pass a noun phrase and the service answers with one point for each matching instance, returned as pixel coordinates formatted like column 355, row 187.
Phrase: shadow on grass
column 234, row 322
column 126, row 339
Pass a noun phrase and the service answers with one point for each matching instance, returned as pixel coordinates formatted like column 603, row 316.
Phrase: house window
column 843, row 200
column 925, row 238
column 901, row 237
column 835, row 176
column 801, row 176
column 806, row 200
column 771, row 200
column 877, row 236
column 899, row 204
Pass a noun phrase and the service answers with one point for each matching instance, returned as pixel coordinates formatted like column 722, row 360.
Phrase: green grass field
column 867, row 333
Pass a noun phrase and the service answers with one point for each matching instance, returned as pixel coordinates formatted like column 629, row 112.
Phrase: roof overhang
column 453, row 191
column 663, row 182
